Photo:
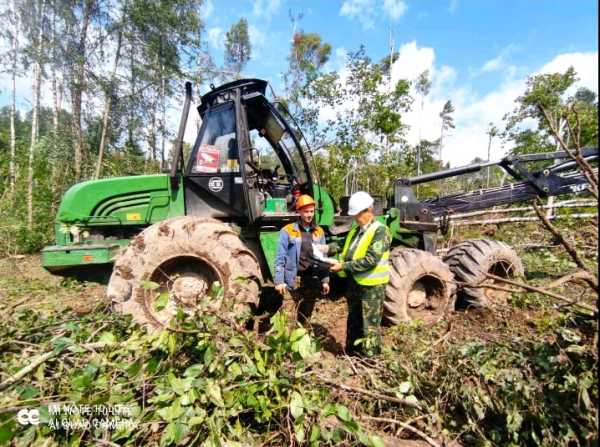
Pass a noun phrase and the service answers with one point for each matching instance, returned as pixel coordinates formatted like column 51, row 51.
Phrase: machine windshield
column 265, row 122
column 216, row 149
column 296, row 150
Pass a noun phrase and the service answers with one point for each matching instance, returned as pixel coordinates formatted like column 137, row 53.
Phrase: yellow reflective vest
column 380, row 274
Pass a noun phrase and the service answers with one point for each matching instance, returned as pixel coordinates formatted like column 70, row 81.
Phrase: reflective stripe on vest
column 380, row 274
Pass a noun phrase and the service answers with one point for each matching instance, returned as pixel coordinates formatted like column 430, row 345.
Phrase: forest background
column 92, row 89
column 106, row 87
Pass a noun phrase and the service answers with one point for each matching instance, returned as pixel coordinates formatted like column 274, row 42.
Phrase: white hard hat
column 358, row 202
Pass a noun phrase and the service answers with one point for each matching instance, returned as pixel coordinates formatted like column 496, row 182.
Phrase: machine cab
column 247, row 162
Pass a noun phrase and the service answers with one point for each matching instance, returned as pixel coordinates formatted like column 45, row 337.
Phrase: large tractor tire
column 472, row 260
column 189, row 258
column 421, row 287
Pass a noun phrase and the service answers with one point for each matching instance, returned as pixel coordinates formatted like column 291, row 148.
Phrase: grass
column 523, row 374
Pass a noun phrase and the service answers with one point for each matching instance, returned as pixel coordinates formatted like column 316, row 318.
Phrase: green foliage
column 202, row 382
column 367, row 127
column 545, row 101
column 53, row 175
column 508, row 389
column 238, row 48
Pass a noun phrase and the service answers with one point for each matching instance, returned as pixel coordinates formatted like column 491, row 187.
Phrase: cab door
column 214, row 184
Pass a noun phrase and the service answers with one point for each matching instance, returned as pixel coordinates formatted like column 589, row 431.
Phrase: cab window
column 216, row 149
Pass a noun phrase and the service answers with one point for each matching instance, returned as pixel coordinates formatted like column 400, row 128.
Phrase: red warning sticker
column 207, row 159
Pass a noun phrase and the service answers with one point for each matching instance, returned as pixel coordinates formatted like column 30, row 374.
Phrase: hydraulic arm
column 556, row 180
column 425, row 218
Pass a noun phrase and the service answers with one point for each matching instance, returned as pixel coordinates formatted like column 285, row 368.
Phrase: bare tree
column 14, row 22
column 492, row 132
column 37, row 50
column 423, row 86
column 108, row 102
column 77, row 35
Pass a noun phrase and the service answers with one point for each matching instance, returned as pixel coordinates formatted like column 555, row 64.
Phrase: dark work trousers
column 305, row 294
column 365, row 310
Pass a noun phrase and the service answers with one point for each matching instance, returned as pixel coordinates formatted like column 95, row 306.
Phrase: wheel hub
column 189, row 289
column 186, row 281
column 418, row 295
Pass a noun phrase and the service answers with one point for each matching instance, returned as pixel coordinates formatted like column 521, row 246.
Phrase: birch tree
column 238, row 48
column 422, row 85
column 110, row 90
column 35, row 35
column 78, row 18
column 447, row 124
column 12, row 33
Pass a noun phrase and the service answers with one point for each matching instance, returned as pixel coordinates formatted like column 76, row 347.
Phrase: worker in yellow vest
column 364, row 260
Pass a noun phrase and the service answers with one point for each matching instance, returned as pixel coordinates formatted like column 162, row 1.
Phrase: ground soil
column 23, row 276
column 46, row 292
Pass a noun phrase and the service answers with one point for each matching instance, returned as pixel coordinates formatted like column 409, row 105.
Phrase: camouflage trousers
column 305, row 294
column 365, row 309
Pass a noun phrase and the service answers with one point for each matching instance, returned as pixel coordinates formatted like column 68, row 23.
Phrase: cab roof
column 225, row 92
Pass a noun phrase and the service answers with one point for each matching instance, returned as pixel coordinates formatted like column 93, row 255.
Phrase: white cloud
column 394, row 8
column 493, row 64
column 266, row 8
column 207, row 9
column 500, row 62
column 585, row 64
column 474, row 111
column 258, row 40
column 338, row 61
column 216, row 37
column 412, row 61
column 453, row 6
column 363, row 10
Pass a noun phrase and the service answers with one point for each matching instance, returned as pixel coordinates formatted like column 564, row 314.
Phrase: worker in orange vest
column 296, row 270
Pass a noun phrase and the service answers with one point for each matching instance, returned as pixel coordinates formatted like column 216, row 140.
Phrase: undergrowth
column 532, row 380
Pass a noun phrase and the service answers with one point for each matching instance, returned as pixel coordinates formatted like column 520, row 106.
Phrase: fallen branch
column 372, row 394
column 522, row 219
column 12, row 307
column 592, row 280
column 487, row 286
column 580, row 274
column 538, row 290
column 408, row 427
column 577, row 204
column 47, row 356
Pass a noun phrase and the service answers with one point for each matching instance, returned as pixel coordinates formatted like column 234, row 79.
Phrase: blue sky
column 479, row 52
column 464, row 34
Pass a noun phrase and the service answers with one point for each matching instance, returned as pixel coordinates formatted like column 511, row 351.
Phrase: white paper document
column 318, row 254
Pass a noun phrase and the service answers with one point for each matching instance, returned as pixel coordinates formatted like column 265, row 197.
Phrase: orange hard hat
column 304, row 200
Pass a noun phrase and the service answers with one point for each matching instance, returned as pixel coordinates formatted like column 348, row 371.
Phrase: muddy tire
column 471, row 260
column 185, row 256
column 421, row 287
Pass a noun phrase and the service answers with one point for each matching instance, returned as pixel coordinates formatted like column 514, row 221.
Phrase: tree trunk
column 152, row 131
column 77, row 87
column 54, row 85
column 487, row 181
column 56, row 106
column 163, row 118
column 107, row 106
column 130, row 123
column 12, row 170
column 441, row 144
column 36, row 87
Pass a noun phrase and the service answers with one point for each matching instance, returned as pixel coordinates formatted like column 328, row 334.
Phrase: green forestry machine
column 216, row 218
